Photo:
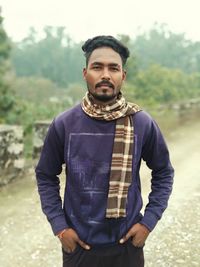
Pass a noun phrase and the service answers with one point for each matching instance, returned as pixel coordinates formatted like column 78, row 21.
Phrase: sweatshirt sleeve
column 47, row 171
column 156, row 155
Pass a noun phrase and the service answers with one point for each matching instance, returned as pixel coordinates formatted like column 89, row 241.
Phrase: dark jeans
column 125, row 255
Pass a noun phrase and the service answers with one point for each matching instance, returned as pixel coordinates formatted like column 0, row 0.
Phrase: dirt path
column 26, row 239
column 176, row 239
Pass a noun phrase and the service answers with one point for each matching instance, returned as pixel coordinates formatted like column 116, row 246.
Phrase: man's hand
column 70, row 239
column 139, row 234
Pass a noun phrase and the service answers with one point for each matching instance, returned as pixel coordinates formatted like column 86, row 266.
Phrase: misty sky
column 87, row 18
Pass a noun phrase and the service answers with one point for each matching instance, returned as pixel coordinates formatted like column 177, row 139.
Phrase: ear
column 84, row 73
column 124, row 75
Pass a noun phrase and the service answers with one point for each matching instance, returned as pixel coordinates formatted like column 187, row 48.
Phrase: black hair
column 105, row 41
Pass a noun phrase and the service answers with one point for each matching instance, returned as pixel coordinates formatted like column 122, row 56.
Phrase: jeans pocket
column 131, row 244
column 71, row 253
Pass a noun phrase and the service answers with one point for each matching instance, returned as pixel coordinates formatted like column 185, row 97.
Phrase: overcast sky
column 87, row 18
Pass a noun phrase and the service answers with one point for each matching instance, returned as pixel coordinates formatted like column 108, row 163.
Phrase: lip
column 104, row 86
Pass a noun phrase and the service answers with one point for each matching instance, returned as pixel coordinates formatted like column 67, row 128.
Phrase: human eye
column 96, row 67
column 114, row 68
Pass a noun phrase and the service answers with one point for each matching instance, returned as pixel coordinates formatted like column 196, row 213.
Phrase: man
column 101, row 142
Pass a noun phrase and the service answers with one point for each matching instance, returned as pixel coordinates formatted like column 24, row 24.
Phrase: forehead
column 105, row 55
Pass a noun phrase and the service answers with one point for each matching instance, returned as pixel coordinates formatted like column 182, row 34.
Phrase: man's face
column 104, row 74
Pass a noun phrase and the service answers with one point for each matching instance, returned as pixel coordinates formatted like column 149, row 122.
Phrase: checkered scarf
column 121, row 165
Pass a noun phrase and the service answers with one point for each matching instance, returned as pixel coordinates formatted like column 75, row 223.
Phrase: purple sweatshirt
column 84, row 145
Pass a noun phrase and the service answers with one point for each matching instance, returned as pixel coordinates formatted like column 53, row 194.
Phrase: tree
column 168, row 49
column 54, row 57
column 6, row 97
column 160, row 85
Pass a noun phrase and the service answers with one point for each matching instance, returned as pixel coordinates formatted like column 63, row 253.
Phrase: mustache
column 104, row 83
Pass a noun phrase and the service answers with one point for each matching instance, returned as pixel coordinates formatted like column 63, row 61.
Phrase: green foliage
column 163, row 86
column 41, row 99
column 76, row 91
column 34, row 89
column 158, row 85
column 163, row 47
column 55, row 57
column 6, row 97
column 4, row 44
column 38, row 99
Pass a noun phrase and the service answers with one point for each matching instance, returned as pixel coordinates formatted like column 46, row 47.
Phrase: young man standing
column 102, row 142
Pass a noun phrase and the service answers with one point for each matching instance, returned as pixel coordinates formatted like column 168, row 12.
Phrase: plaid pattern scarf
column 122, row 155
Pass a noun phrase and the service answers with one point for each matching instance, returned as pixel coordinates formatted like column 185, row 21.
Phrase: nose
column 105, row 74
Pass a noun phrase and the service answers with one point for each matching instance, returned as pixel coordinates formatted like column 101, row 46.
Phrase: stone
column 39, row 133
column 11, row 152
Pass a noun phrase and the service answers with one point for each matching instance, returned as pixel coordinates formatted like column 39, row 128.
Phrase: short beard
column 103, row 98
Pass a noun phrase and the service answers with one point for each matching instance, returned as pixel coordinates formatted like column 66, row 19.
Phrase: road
column 176, row 239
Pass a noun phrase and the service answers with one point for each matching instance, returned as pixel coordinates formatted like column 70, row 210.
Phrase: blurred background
column 41, row 64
